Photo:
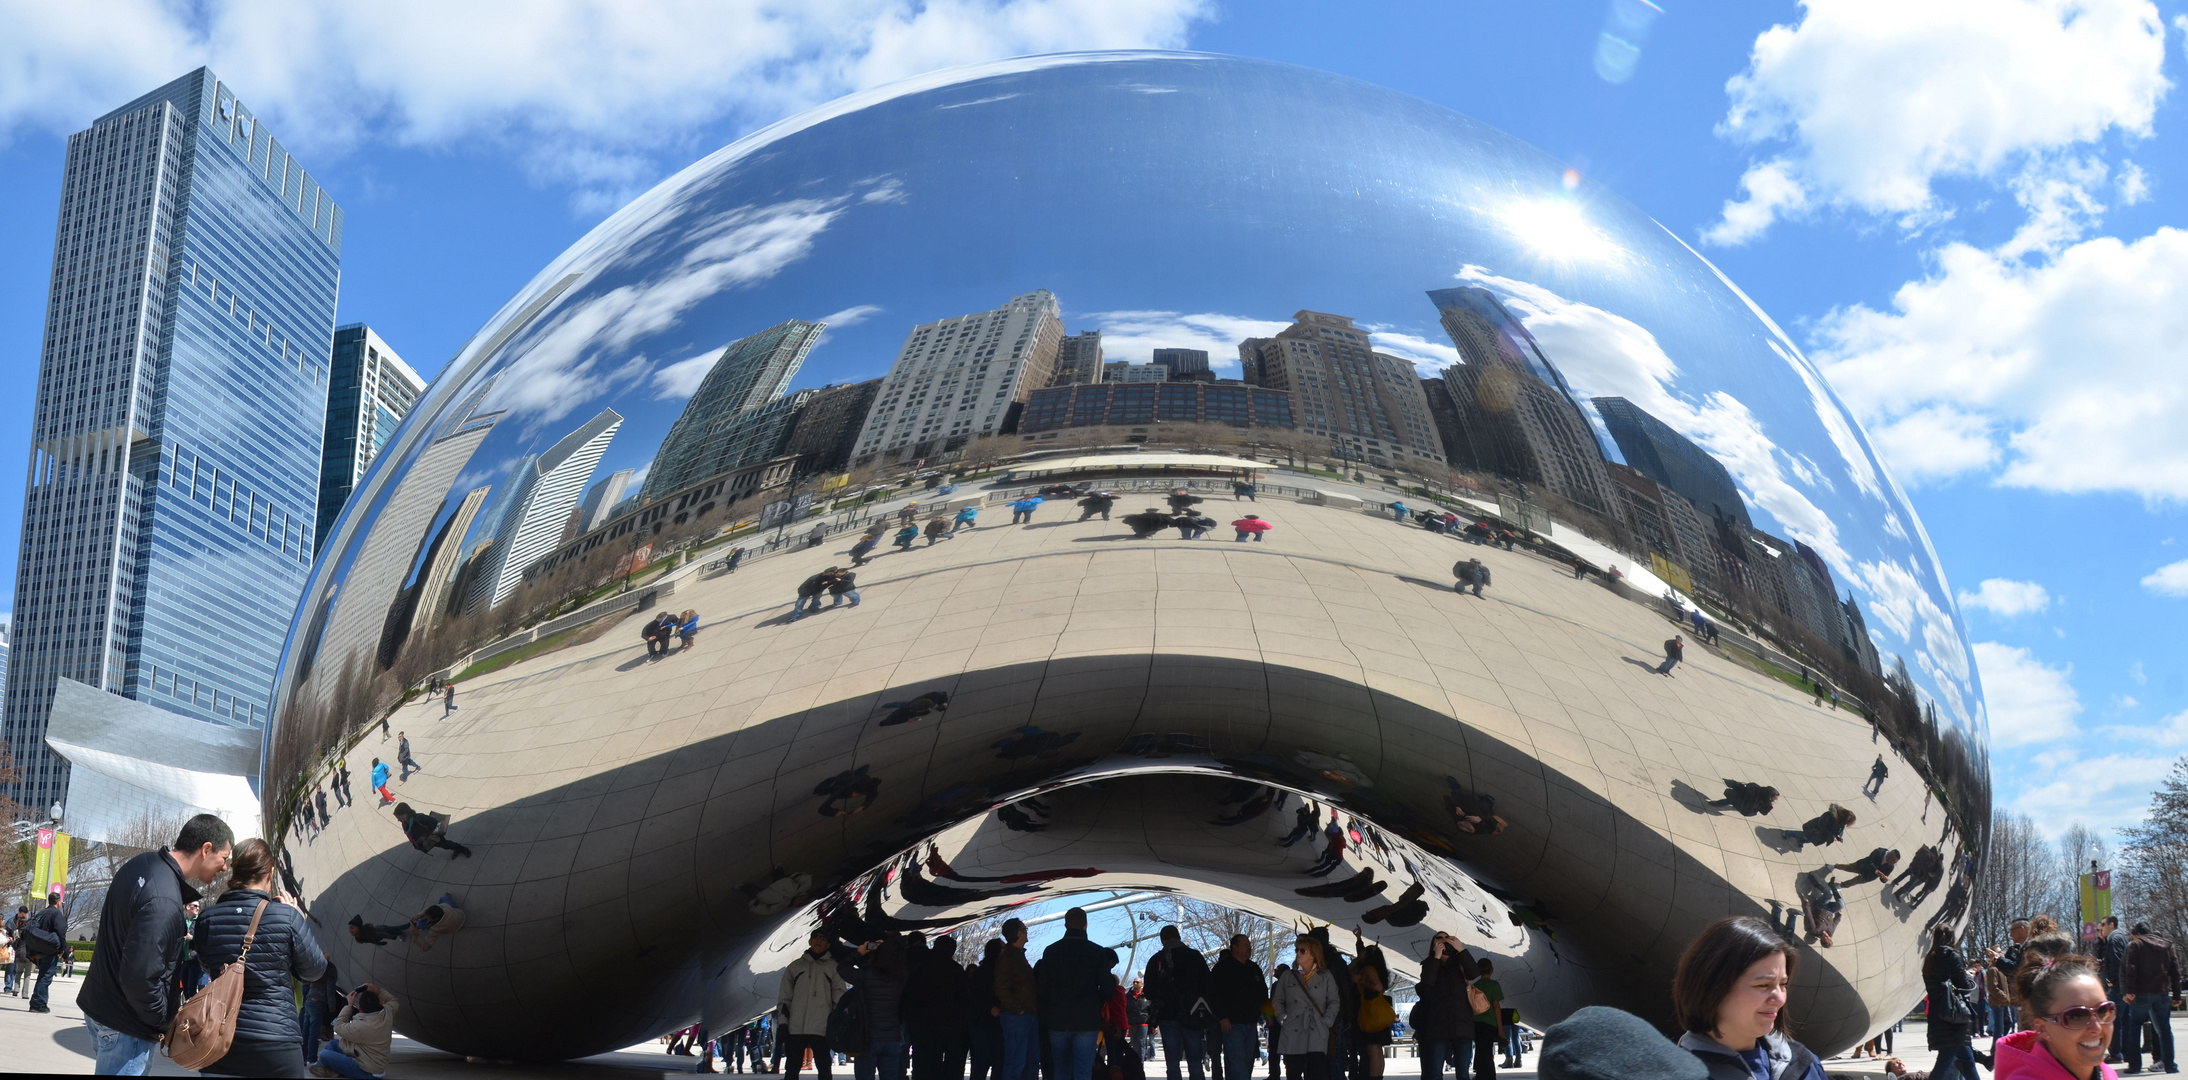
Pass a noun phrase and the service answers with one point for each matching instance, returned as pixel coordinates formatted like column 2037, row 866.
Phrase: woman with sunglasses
column 2070, row 1019
column 1729, row 993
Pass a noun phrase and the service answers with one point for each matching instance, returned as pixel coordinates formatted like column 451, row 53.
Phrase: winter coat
column 936, row 990
column 980, row 980
column 844, row 583
column 2022, row 1056
column 1015, row 989
column 365, row 1036
column 283, row 951
column 1237, row 989
column 1824, row 828
column 1099, row 501
column 130, row 984
column 2111, row 953
column 2152, row 966
column 1944, row 972
column 1674, row 650
column 1307, row 1009
column 808, row 992
column 1252, row 525
column 1176, row 978
column 423, row 934
column 880, row 977
column 815, row 585
column 1789, row 1060
column 1148, row 521
column 1027, row 505
column 379, row 775
column 1073, row 981
column 1443, row 1012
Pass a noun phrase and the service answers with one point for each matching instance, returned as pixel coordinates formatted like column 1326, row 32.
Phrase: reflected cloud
column 1135, row 335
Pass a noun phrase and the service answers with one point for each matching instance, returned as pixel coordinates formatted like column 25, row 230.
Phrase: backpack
column 39, row 941
column 847, row 1023
column 205, row 1026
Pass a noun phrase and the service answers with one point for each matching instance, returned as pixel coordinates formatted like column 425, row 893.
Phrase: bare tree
column 2153, row 878
column 2021, row 878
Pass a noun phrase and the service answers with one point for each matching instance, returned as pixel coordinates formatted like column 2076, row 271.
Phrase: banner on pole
column 2096, row 901
column 49, row 873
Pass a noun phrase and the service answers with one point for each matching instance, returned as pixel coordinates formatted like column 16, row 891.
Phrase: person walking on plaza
column 1306, row 1005
column 1304, row 821
column 427, row 832
column 810, row 590
column 1177, row 991
column 1877, row 865
column 1236, row 991
column 341, row 782
column 1877, row 773
column 808, row 991
column 1243, row 489
column 1398, row 511
column 1147, row 523
column 1729, row 994
column 1675, row 650
column 42, row 940
column 363, row 1033
column 909, row 513
column 1021, row 512
column 1017, row 1006
column 1472, row 573
column 1073, row 980
column 1192, row 526
column 253, row 914
column 864, row 547
column 2147, row 977
column 843, row 583
column 1444, row 1020
column 1097, row 502
column 319, row 800
column 938, row 528
column 402, row 755
column 818, row 536
column 448, row 705
column 2110, row 949
column 967, row 518
column 380, row 775
column 1182, row 500
column 687, row 630
column 1251, row 525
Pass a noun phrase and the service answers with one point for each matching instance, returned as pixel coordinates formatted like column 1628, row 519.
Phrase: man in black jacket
column 1177, row 1002
column 126, row 997
column 1071, row 980
column 1237, row 990
column 44, row 940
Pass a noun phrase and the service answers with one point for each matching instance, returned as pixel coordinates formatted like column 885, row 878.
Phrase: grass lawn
column 576, row 635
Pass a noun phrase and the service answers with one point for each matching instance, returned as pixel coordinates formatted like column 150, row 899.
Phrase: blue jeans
column 1241, row 1045
column 1459, row 1052
column 332, row 1057
column 1021, row 1046
column 2002, row 1021
column 1955, row 1063
column 313, row 1015
column 1182, row 1042
column 2158, row 1009
column 44, row 988
column 1512, row 1041
column 118, row 1054
column 984, row 1049
column 884, row 1060
column 797, row 610
column 1074, row 1054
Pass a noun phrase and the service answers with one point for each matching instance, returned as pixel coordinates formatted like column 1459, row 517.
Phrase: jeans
column 984, row 1048
column 409, row 767
column 2157, row 1009
column 332, row 1057
column 1665, row 667
column 118, row 1054
column 2002, row 1020
column 1074, row 1053
column 45, row 983
column 1955, row 1063
column 884, row 1060
column 1435, row 1052
column 1021, row 1046
column 1242, row 535
column 313, row 1015
column 837, row 599
column 1021, row 517
column 797, row 610
column 1182, row 1042
column 1240, row 1045
column 1513, row 1044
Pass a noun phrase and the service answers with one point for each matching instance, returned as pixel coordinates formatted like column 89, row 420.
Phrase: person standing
column 878, row 970
column 1251, row 525
column 402, row 755
column 1097, row 502
column 983, row 1019
column 380, row 776
column 282, row 951
column 1443, row 1021
column 1243, row 489
column 1729, row 993
column 810, row 590
column 340, row 782
column 318, row 1012
column 130, row 993
column 1398, row 512
column 865, row 546
column 808, row 992
column 1675, row 650
column 1021, row 512
column 1946, row 980
column 1371, row 981
column 1017, row 1006
column 1237, row 991
column 1072, row 983
column 44, row 939
column 843, row 584
column 426, row 832
column 2148, row 976
column 1177, row 991
column 936, row 994
column 2111, row 953
column 1305, row 1001
column 1488, row 1023
column 938, row 528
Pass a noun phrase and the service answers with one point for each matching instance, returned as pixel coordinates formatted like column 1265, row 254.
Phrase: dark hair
column 2042, row 924
column 2139, row 929
column 2042, row 949
column 1714, row 961
column 402, row 809
column 367, row 1001
column 1942, row 938
column 53, row 899
column 1012, row 928
column 435, row 913
column 1485, row 965
column 1170, row 933
column 2038, row 984
column 202, row 830
column 2111, row 920
column 993, row 949
column 1075, row 919
column 252, row 861
column 1236, row 938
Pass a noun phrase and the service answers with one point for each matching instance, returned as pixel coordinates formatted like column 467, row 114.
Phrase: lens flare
column 1558, row 229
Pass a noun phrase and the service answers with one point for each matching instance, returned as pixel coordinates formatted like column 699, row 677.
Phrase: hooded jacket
column 130, row 984
column 1789, row 1060
column 283, row 952
column 2023, row 1056
column 808, row 992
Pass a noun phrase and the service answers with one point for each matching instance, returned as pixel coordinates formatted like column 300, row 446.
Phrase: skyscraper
column 1182, row 363
column 601, row 498
column 446, row 560
column 1078, row 359
column 750, row 375
column 1516, row 416
column 369, row 391
column 537, row 498
column 1368, row 404
column 958, row 379
column 828, row 426
column 1672, row 459
column 175, row 439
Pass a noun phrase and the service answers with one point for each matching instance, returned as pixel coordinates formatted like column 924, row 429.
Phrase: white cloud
column 2001, row 596
column 1427, row 356
column 1135, row 335
column 2029, row 702
column 2102, row 792
column 1865, row 103
column 582, row 87
column 851, row 316
column 2168, row 580
column 681, row 379
column 2065, row 375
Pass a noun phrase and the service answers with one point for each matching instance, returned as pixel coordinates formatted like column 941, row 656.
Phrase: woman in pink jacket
column 1251, row 526
column 2071, row 1024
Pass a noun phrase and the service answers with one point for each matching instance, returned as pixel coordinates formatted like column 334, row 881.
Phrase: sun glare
column 1557, row 229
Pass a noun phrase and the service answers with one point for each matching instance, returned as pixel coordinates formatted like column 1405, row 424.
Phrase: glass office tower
column 369, row 391
column 176, row 435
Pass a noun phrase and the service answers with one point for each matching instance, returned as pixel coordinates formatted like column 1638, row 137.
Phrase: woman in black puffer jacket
column 1945, row 975
column 284, row 953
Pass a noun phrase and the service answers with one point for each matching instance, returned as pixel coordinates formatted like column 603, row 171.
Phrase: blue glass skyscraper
column 175, row 446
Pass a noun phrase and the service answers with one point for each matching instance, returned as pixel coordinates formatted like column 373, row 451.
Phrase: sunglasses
column 2081, row 1016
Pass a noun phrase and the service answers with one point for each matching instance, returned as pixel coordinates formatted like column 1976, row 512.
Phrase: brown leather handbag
column 205, row 1026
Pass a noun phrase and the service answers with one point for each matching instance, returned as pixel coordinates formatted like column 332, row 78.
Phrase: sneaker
column 319, row 1070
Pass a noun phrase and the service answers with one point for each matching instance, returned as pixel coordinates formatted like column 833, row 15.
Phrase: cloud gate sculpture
column 1027, row 710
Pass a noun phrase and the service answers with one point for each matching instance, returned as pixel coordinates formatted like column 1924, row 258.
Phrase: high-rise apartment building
column 1120, row 371
column 1516, row 416
column 535, row 501
column 957, row 379
column 1368, row 404
column 1078, row 359
column 1182, row 363
column 1130, row 405
column 369, row 391
column 1672, row 459
column 169, row 518
column 828, row 426
column 751, row 375
column 602, row 497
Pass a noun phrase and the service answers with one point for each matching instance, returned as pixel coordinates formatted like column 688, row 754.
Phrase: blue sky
column 1963, row 213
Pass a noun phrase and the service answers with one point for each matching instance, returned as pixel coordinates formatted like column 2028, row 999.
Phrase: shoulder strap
column 252, row 932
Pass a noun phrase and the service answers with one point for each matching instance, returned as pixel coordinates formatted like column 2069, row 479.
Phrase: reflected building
column 538, row 495
column 1672, row 460
column 602, row 498
column 1137, row 405
column 1516, row 415
column 176, row 430
column 369, row 391
column 1079, row 359
column 445, row 564
column 737, row 416
column 1190, row 365
column 827, row 427
column 1368, row 404
column 960, row 379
